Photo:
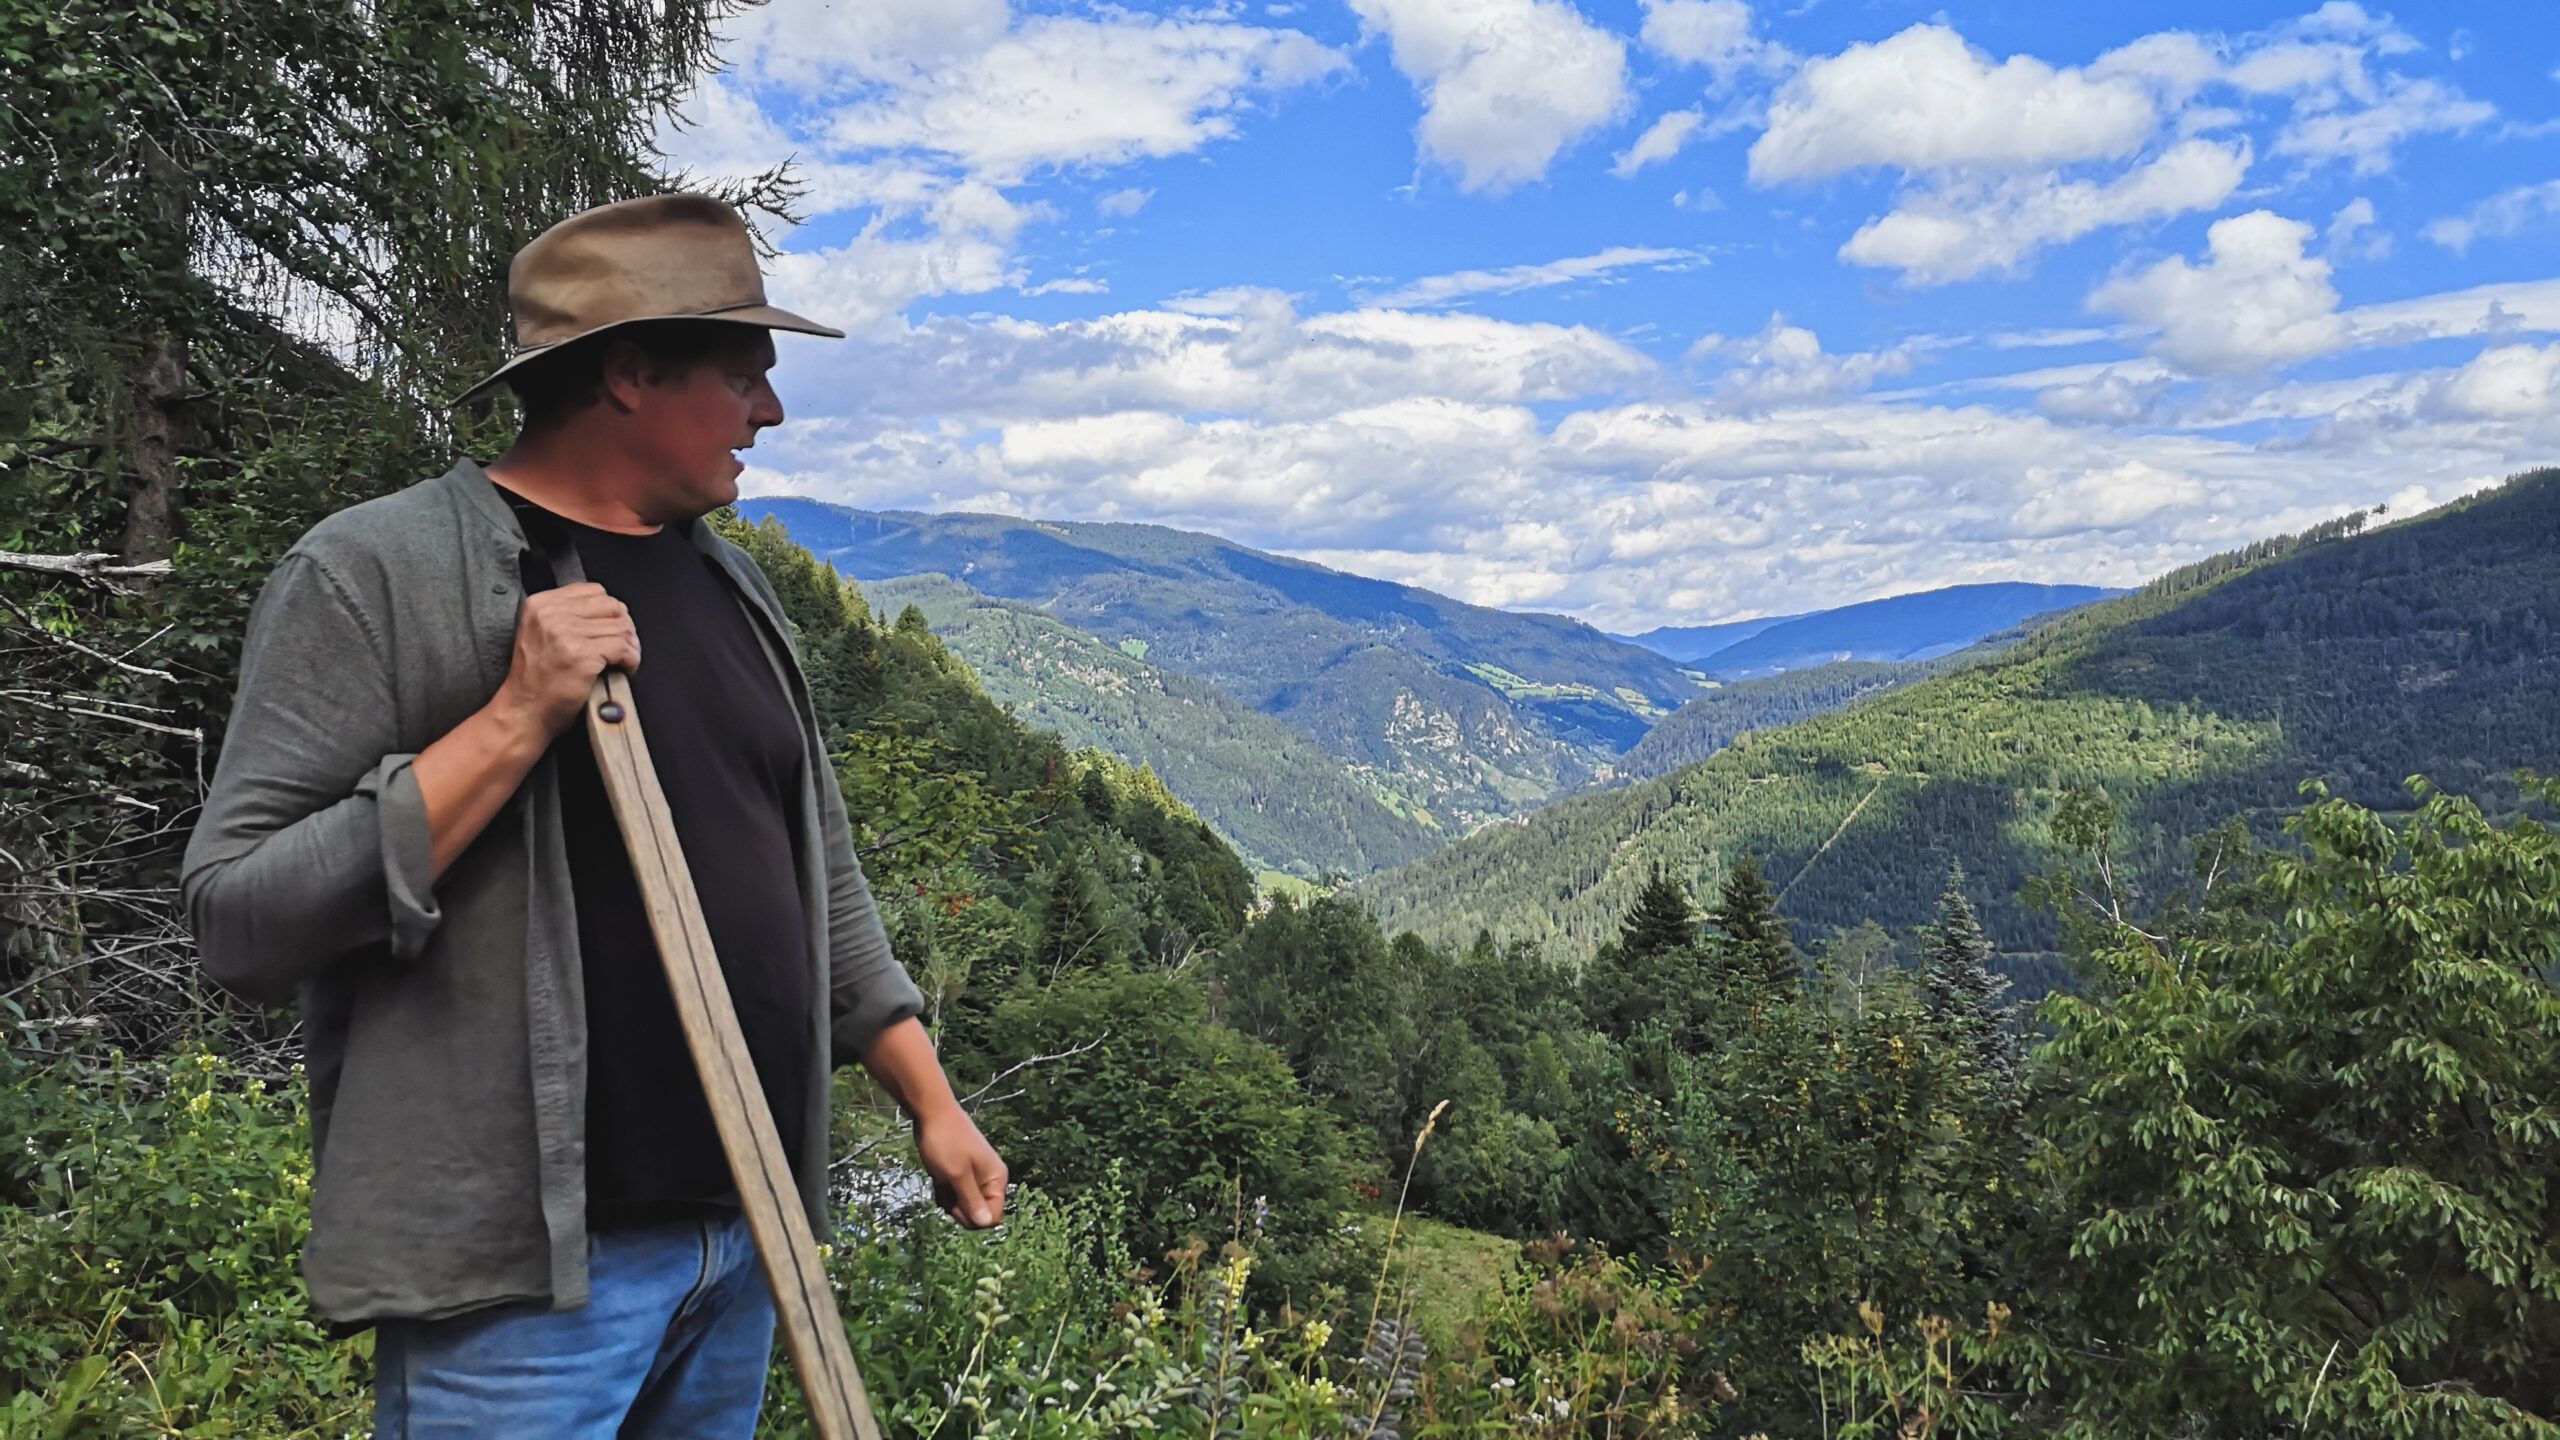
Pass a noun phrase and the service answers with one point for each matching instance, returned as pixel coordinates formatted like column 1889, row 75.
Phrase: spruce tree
column 1759, row 952
column 1661, row 921
column 1963, row 992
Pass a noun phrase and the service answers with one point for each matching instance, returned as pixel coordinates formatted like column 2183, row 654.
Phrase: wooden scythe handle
column 803, row 1302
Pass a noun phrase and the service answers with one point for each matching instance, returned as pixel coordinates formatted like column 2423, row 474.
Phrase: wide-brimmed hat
column 665, row 257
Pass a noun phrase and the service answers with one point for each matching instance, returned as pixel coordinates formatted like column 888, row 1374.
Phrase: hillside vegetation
column 1284, row 802
column 2360, row 659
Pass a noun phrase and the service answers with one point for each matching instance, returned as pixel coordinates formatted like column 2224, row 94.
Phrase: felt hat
column 662, row 257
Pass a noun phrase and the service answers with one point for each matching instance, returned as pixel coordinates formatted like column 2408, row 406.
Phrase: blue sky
column 1669, row 311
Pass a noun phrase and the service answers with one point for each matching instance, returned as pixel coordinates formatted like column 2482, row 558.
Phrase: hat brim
column 762, row 317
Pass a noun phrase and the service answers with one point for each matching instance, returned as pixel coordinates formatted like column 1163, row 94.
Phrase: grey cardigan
column 445, row 1022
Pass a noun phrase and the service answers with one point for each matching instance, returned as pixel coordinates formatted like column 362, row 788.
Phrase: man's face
column 690, row 424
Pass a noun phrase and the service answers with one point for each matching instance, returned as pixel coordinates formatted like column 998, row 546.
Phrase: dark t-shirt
column 727, row 750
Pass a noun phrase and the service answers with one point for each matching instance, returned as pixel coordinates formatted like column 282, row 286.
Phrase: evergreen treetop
column 1759, row 950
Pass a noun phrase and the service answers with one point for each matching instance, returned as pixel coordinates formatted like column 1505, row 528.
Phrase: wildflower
column 199, row 1102
column 1317, row 1334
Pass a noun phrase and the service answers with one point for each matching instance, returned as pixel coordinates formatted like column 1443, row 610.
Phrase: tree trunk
column 162, row 433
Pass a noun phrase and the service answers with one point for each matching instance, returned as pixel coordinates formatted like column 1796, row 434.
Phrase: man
column 517, row 1177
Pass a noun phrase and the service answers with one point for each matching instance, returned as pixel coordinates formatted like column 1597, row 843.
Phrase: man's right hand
column 564, row 639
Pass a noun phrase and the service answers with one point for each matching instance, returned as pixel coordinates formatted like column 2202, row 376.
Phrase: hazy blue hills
column 1455, row 712
column 1920, row 626
column 1687, row 643
column 1283, row 801
column 2430, row 646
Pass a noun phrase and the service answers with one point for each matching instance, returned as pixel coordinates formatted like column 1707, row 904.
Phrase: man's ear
column 622, row 372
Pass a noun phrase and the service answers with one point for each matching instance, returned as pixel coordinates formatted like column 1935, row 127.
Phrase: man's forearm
column 902, row 1059
column 467, row 777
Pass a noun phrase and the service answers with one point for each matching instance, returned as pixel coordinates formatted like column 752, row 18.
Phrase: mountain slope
column 1714, row 720
column 1686, row 643
column 1904, row 627
column 2425, row 647
column 1469, row 713
column 1281, row 800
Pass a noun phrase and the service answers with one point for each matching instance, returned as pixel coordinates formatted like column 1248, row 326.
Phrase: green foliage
column 1962, row 992
column 1753, row 946
column 1199, row 1121
column 1662, row 920
column 1725, row 714
column 150, row 1219
column 2309, row 1169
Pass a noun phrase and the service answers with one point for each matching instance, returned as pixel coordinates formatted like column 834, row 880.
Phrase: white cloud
column 1969, row 228
column 1123, row 202
column 961, row 243
column 1660, row 141
column 2116, row 395
column 2506, row 382
column 1064, row 91
column 1069, row 286
column 2367, row 137
column 1924, row 100
column 2257, row 301
column 2505, row 213
column 1389, row 443
column 1785, row 365
column 2510, row 308
column 1251, row 354
column 2351, row 222
column 1448, row 289
column 1507, row 85
column 2104, row 500
column 1714, row 34
column 2174, row 63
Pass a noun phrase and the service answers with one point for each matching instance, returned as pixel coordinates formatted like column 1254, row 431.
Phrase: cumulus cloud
column 2258, row 300
column 1660, row 141
column 1714, row 34
column 1785, row 364
column 1506, row 85
column 1434, row 290
column 2506, row 382
column 2506, row 213
column 1065, row 91
column 1970, row 228
column 1925, row 100
column 2104, row 500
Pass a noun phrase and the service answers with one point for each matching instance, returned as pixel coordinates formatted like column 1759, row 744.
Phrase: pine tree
column 1662, row 920
column 1759, row 952
column 1963, row 992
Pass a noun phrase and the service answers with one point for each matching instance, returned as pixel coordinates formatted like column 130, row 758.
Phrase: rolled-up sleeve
column 313, row 842
column 868, row 990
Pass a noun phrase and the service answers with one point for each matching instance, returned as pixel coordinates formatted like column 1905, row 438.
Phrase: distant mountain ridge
column 1920, row 626
column 1460, row 713
column 2430, row 646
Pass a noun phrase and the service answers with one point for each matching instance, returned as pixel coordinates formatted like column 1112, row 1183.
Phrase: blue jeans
column 673, row 1342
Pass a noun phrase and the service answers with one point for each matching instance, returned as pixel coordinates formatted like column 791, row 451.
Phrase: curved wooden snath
column 803, row 1302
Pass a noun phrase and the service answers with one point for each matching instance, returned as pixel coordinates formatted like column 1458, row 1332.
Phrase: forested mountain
column 1462, row 712
column 1904, row 627
column 1716, row 719
column 1279, row 798
column 2360, row 659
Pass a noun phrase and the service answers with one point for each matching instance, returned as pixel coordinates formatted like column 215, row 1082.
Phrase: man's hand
column 564, row 639
column 968, row 1179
